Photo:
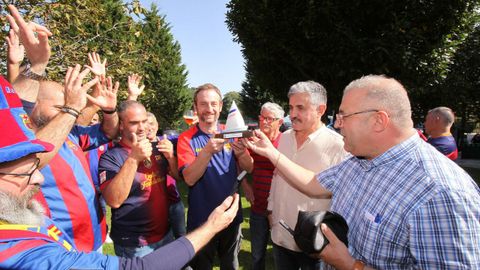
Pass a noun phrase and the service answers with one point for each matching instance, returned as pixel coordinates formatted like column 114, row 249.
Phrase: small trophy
column 235, row 126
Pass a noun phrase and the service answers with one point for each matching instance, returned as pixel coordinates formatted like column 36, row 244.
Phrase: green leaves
column 132, row 38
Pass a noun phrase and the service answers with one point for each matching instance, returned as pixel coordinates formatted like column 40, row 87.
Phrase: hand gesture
column 75, row 92
column 239, row 148
column 224, row 214
column 15, row 51
column 96, row 66
column 335, row 253
column 107, row 95
column 34, row 38
column 134, row 90
column 260, row 144
column 214, row 145
column 141, row 149
column 166, row 147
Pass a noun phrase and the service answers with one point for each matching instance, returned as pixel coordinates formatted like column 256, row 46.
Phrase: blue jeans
column 260, row 234
column 286, row 259
column 176, row 215
column 140, row 251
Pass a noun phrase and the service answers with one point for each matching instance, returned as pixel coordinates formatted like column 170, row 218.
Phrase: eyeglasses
column 340, row 117
column 268, row 119
column 35, row 167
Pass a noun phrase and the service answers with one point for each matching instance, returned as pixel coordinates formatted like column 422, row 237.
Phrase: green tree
column 228, row 98
column 333, row 42
column 165, row 76
column 133, row 39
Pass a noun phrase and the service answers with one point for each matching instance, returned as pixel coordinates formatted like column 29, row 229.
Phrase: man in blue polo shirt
column 209, row 167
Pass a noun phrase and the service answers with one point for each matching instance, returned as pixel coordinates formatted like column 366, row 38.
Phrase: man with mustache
column 312, row 145
column 30, row 240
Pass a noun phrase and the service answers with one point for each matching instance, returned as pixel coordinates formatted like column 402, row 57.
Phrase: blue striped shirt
column 409, row 208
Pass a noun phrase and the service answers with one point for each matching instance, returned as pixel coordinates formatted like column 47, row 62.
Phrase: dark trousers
column 286, row 259
column 227, row 244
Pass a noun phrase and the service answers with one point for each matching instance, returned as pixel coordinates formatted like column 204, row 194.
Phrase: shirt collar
column 391, row 155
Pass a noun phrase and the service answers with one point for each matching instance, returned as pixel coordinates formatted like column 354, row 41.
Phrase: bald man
column 406, row 205
column 438, row 123
column 68, row 193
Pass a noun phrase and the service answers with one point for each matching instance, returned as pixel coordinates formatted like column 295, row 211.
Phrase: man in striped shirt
column 270, row 120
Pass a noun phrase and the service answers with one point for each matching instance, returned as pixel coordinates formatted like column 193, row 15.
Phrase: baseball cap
column 17, row 139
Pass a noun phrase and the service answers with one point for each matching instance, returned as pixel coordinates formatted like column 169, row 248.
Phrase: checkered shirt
column 409, row 208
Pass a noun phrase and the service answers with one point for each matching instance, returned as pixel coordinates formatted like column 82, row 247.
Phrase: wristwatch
column 27, row 72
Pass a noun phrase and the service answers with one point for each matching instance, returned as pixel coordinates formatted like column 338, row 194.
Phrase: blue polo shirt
column 216, row 183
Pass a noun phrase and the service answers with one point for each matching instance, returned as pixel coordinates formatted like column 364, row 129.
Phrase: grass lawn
column 244, row 256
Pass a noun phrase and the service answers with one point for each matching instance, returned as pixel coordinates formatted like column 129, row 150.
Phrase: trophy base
column 235, row 134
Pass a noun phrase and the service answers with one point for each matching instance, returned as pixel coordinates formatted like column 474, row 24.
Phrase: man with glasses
column 314, row 146
column 406, row 205
column 270, row 120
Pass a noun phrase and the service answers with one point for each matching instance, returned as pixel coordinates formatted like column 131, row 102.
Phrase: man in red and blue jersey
column 438, row 123
column 133, row 183
column 209, row 167
column 270, row 120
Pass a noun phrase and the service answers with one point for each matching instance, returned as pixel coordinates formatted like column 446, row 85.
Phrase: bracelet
column 358, row 265
column 28, row 72
column 278, row 158
column 73, row 112
column 110, row 112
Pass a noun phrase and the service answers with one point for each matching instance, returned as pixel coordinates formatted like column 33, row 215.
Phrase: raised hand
column 75, row 91
column 96, row 66
column 134, row 90
column 224, row 214
column 34, row 38
column 260, row 144
column 166, row 147
column 15, row 50
column 107, row 95
column 141, row 149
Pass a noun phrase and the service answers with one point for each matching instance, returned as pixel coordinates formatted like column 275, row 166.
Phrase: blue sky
column 207, row 47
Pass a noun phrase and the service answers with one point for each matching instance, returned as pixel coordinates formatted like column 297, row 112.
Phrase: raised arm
column 107, row 102
column 34, row 38
column 134, row 88
column 15, row 55
column 57, row 129
column 302, row 179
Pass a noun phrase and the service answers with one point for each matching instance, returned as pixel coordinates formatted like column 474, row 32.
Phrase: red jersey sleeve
column 185, row 153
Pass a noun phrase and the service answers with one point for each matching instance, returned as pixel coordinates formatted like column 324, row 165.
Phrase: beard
column 40, row 120
column 21, row 209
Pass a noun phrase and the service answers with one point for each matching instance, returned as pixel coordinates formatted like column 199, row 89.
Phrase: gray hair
column 274, row 108
column 445, row 114
column 318, row 94
column 127, row 104
column 388, row 94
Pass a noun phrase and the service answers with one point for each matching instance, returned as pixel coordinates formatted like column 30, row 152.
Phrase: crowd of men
column 407, row 204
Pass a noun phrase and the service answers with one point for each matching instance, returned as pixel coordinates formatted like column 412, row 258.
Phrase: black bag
column 308, row 234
